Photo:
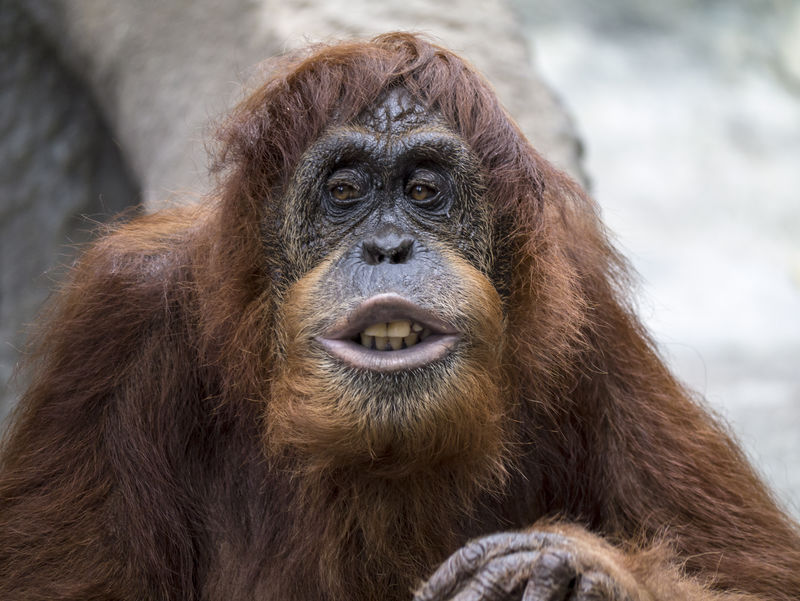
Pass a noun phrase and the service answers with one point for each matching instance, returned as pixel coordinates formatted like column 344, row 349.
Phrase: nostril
column 371, row 254
column 402, row 252
column 390, row 249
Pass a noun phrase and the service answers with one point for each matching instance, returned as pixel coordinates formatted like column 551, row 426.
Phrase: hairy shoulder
column 135, row 278
column 148, row 247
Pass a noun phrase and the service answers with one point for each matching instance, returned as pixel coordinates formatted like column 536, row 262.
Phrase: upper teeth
column 393, row 335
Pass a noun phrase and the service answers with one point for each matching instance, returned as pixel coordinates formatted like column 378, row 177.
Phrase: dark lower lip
column 433, row 348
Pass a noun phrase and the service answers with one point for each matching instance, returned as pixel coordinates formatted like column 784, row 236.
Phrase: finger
column 552, row 577
column 501, row 579
column 463, row 564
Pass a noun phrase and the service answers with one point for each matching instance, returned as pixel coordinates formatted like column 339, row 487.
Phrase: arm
column 82, row 487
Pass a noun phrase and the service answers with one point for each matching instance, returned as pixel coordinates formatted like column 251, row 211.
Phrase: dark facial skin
column 386, row 200
column 391, row 325
column 391, row 181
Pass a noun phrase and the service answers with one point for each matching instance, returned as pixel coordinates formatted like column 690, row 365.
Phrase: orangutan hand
column 533, row 565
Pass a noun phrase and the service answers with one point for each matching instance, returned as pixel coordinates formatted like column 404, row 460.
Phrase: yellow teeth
column 398, row 329
column 376, row 329
column 393, row 335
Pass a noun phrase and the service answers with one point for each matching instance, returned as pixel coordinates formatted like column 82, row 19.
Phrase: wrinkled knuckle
column 557, row 560
column 472, row 553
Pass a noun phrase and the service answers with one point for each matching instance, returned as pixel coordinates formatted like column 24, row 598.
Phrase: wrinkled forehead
column 394, row 111
column 391, row 130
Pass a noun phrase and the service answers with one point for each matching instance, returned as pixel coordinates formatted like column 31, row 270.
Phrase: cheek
column 303, row 241
column 472, row 235
column 333, row 415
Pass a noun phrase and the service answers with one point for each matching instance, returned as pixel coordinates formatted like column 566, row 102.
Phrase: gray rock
column 59, row 174
column 691, row 119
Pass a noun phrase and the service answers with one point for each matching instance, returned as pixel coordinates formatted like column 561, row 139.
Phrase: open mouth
column 389, row 333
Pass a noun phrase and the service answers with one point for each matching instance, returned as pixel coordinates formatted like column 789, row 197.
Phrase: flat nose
column 387, row 247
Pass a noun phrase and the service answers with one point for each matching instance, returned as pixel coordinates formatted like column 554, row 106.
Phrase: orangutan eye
column 421, row 192
column 343, row 191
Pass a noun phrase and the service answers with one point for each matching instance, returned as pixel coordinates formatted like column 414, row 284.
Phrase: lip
column 339, row 340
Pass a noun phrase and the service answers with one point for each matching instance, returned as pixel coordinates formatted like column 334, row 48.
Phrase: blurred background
column 681, row 117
